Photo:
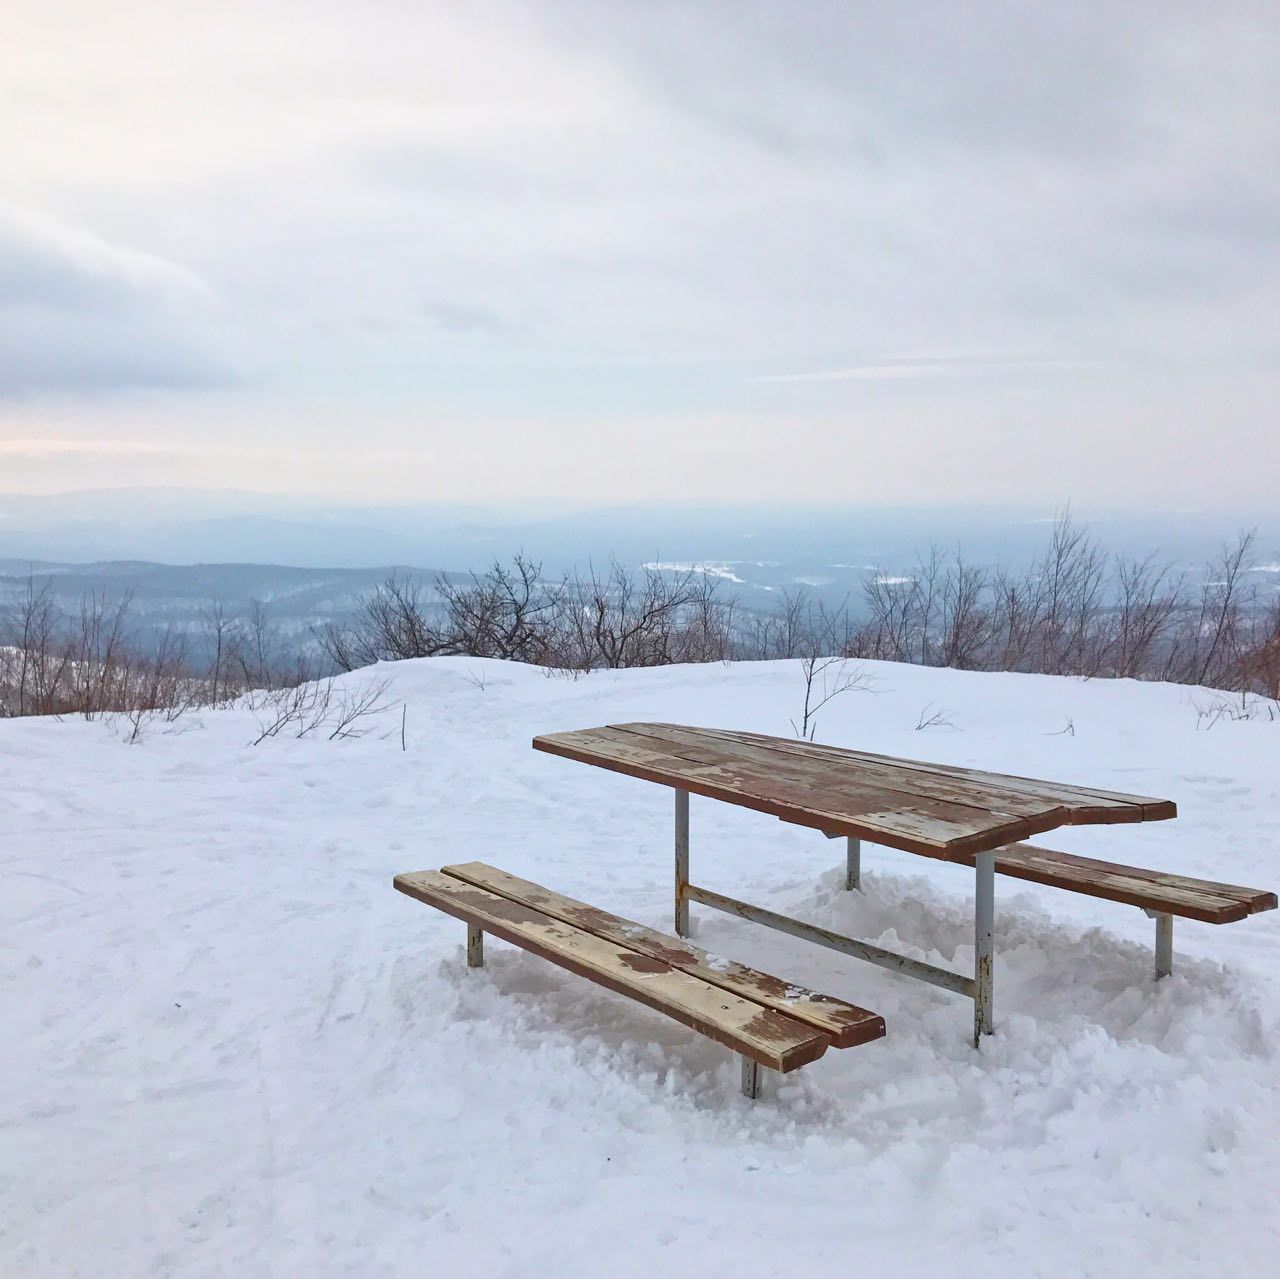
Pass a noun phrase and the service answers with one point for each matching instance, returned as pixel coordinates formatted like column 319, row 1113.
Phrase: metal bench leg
column 475, row 946
column 682, row 863
column 853, row 864
column 984, row 914
column 1164, row 945
column 750, row 1077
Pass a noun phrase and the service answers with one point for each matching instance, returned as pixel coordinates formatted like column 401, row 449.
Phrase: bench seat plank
column 1203, row 900
column 763, row 1034
column 846, row 1024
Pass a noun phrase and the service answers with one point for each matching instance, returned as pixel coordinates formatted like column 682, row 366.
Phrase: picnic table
column 954, row 814
column 975, row 819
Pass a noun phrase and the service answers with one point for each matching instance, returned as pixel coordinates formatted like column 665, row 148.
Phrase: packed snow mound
column 232, row 1049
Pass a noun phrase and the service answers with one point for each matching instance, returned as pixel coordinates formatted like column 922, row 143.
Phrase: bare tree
column 778, row 634
column 506, row 613
column 1147, row 601
column 392, row 625
column 825, row 666
column 37, row 656
column 966, row 620
column 1215, row 645
column 218, row 631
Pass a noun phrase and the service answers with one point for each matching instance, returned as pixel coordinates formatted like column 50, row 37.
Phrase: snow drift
column 232, row 1049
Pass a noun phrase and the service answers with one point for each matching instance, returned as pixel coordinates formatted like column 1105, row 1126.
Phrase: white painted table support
column 1164, row 940
column 853, row 864
column 979, row 987
column 751, row 1073
column 475, row 946
column 873, row 954
column 1164, row 945
column 682, row 863
column 984, row 914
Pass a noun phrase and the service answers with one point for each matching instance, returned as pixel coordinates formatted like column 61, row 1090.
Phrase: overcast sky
column 892, row 253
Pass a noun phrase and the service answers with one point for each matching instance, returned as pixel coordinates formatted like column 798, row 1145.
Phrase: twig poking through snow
column 940, row 718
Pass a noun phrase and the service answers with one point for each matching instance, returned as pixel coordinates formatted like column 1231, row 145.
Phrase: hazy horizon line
column 1081, row 510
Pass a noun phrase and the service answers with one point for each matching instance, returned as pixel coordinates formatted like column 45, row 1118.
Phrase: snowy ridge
column 233, row 1049
column 724, row 571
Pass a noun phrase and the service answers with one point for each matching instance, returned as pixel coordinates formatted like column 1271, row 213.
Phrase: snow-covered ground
column 230, row 1048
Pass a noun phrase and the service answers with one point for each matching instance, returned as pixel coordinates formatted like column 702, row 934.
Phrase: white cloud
column 930, row 367
column 78, row 313
column 855, row 220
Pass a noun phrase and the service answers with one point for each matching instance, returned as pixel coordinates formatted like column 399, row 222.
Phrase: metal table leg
column 983, row 943
column 1164, row 945
column 682, row 863
column 853, row 864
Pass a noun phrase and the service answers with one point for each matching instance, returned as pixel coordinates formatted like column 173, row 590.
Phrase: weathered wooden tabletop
column 933, row 809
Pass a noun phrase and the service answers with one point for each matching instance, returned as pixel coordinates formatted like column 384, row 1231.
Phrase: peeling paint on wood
column 763, row 1034
column 1200, row 899
column 845, row 1023
column 935, row 810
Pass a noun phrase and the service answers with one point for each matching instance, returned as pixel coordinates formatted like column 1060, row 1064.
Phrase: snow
column 722, row 570
column 232, row 1049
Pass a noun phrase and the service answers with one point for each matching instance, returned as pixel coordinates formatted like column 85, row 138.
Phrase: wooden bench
column 767, row 1021
column 1161, row 896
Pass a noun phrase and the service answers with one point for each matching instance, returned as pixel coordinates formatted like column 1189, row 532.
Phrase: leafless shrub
column 1260, row 662
column 279, row 710
column 615, row 619
column 257, row 657
column 933, row 717
column 35, row 656
column 507, row 613
column 355, row 706
column 1213, row 652
column 966, row 618
column 91, row 662
column 1146, row 606
column 598, row 620
column 825, row 666
column 778, row 635
column 321, row 706
column 1075, row 611
column 301, row 710
column 1239, row 708
column 824, row 679
column 104, row 670
column 392, row 625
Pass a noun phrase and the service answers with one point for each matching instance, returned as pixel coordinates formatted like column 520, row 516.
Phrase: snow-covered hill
column 231, row 1049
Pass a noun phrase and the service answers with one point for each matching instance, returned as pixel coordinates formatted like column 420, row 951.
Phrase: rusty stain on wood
column 1109, row 806
column 932, row 809
column 763, row 1034
column 1199, row 899
column 846, row 1024
column 644, row 964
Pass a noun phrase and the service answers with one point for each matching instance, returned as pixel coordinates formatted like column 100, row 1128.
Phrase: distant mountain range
column 177, row 551
column 182, row 526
